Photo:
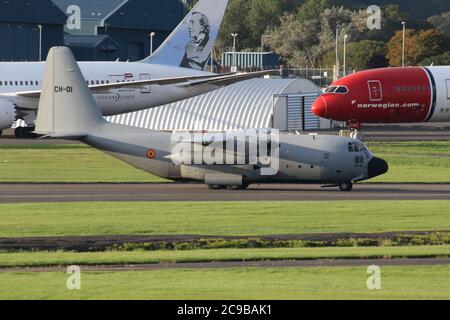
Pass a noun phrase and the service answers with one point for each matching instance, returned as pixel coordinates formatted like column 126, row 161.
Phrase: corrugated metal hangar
column 284, row 104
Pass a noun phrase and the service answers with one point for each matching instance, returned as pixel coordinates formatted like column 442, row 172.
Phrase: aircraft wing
column 216, row 80
column 225, row 80
column 139, row 84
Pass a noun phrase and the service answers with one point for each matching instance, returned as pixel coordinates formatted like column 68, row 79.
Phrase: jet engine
column 7, row 114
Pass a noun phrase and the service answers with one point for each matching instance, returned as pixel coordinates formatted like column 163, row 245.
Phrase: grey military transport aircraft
column 232, row 160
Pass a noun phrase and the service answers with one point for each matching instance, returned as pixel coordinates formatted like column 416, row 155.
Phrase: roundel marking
column 151, row 154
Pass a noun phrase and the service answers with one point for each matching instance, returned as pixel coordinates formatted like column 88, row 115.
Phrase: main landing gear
column 25, row 133
column 233, row 188
column 346, row 186
column 354, row 131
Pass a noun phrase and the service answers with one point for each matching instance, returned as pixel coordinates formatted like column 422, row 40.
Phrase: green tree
column 418, row 46
column 312, row 9
column 250, row 19
column 440, row 60
column 304, row 42
column 361, row 55
column 441, row 22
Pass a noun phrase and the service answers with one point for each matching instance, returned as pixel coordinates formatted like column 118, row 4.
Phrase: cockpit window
column 341, row 90
column 337, row 89
column 356, row 147
column 330, row 90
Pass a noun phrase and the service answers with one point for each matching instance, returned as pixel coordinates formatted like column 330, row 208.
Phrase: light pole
column 336, row 72
column 40, row 41
column 234, row 35
column 403, row 43
column 263, row 37
column 345, row 54
column 152, row 35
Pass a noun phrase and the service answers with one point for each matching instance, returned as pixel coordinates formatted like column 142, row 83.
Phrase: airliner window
column 330, row 90
column 341, row 90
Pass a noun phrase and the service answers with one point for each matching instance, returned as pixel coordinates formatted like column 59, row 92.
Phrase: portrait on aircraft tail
column 197, row 50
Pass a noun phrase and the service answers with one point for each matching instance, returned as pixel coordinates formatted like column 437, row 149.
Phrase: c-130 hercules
column 68, row 110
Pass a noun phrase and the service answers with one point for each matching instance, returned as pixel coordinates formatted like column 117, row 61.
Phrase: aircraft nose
column 319, row 107
column 377, row 167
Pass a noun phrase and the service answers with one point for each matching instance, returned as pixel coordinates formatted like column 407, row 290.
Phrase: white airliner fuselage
column 172, row 73
column 23, row 77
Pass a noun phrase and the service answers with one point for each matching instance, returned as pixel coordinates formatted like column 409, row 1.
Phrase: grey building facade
column 29, row 28
column 109, row 29
column 126, row 23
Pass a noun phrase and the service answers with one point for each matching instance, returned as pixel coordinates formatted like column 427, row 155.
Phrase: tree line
column 303, row 32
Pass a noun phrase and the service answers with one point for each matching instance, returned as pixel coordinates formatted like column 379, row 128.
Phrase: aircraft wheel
column 24, row 133
column 19, row 132
column 235, row 188
column 346, row 186
column 215, row 187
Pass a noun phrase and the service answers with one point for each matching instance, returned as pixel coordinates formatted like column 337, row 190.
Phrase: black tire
column 215, row 187
column 19, row 132
column 346, row 186
column 25, row 133
column 235, row 188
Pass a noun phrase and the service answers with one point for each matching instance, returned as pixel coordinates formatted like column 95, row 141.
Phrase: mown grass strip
column 247, row 219
column 43, row 259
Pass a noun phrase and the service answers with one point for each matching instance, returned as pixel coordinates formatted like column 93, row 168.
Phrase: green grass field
column 45, row 259
column 221, row 218
column 425, row 162
column 65, row 163
column 242, row 283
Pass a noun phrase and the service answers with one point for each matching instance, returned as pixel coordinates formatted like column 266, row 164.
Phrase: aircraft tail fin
column 66, row 107
column 191, row 43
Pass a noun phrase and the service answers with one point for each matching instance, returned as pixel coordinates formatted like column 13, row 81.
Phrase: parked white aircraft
column 173, row 73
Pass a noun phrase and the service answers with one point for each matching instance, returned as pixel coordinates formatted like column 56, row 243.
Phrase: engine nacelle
column 7, row 114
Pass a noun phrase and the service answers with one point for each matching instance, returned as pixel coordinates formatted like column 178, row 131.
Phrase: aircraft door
column 146, row 89
column 375, row 90
column 448, row 89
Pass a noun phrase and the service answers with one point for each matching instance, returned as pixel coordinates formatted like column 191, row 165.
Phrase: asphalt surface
column 38, row 193
column 248, row 264
column 371, row 133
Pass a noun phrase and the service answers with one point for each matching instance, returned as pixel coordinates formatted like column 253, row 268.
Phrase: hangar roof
column 97, row 9
column 147, row 15
column 92, row 13
column 91, row 41
column 244, row 105
column 127, row 14
column 31, row 11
